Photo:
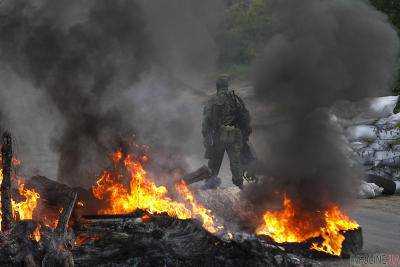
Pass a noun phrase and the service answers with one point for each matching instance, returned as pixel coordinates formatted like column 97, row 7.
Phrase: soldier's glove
column 251, row 178
column 206, row 143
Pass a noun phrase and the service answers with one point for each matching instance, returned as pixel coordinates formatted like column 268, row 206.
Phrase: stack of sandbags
column 373, row 132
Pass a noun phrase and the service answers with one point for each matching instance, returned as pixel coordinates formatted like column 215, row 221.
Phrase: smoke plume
column 318, row 52
column 76, row 62
column 86, row 74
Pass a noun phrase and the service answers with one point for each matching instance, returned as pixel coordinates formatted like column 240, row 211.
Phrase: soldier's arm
column 206, row 124
column 245, row 119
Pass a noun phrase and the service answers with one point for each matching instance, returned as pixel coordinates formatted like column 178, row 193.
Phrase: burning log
column 65, row 216
column 320, row 231
column 58, row 253
column 201, row 174
column 352, row 245
column 53, row 193
column 6, row 207
column 53, row 197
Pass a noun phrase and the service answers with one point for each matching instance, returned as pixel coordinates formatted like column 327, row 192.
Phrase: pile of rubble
column 159, row 240
column 139, row 239
column 373, row 133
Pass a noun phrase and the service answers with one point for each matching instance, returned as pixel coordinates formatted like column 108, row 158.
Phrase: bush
column 243, row 31
column 392, row 9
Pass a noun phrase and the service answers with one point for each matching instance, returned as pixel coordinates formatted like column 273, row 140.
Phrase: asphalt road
column 380, row 220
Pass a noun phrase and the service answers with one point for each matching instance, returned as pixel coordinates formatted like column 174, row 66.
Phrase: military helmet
column 223, row 82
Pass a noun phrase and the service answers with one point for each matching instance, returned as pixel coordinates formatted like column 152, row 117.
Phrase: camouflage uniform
column 226, row 126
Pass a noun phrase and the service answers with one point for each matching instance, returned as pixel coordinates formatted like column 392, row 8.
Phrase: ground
column 380, row 220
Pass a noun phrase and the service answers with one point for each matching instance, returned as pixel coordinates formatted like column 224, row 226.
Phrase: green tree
column 392, row 9
column 243, row 31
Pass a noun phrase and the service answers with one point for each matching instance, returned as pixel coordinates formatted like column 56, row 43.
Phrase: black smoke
column 318, row 52
column 77, row 52
column 93, row 72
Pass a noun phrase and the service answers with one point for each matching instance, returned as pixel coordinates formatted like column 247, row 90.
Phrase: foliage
column 243, row 31
column 392, row 9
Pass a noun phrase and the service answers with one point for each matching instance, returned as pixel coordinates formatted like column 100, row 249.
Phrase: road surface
column 380, row 220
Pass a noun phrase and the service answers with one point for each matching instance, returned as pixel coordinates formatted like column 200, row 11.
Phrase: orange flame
column 83, row 239
column 198, row 210
column 22, row 210
column 81, row 204
column 36, row 234
column 50, row 221
column 291, row 225
column 25, row 208
column 139, row 193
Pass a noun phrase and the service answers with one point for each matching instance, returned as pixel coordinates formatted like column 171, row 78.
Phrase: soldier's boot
column 211, row 183
column 214, row 164
column 238, row 181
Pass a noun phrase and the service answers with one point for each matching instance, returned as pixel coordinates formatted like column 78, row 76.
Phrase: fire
column 291, row 225
column 81, row 204
column 50, row 221
column 140, row 193
column 336, row 222
column 83, row 239
column 25, row 208
column 22, row 210
column 199, row 210
column 36, row 234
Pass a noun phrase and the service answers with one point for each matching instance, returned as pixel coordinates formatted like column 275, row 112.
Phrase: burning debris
column 295, row 225
column 164, row 240
column 23, row 206
column 136, row 222
column 309, row 177
column 127, row 188
column 25, row 241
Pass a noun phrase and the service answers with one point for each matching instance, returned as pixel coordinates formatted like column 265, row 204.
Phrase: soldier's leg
column 233, row 149
column 216, row 158
column 214, row 164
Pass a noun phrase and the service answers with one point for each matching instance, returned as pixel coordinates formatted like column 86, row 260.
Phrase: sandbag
column 379, row 145
column 387, row 158
column 389, row 186
column 369, row 190
column 384, row 172
column 389, row 136
column 389, row 122
column 397, row 191
column 358, row 145
column 362, row 133
column 366, row 111
column 367, row 156
column 383, row 106
column 394, row 120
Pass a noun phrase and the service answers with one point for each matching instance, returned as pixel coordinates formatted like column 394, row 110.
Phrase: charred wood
column 57, row 249
column 6, row 208
column 201, row 174
column 167, row 241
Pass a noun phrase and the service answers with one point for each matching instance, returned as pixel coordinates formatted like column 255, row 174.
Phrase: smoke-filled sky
column 318, row 52
column 77, row 76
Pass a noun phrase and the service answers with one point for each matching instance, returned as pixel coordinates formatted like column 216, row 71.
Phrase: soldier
column 226, row 127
